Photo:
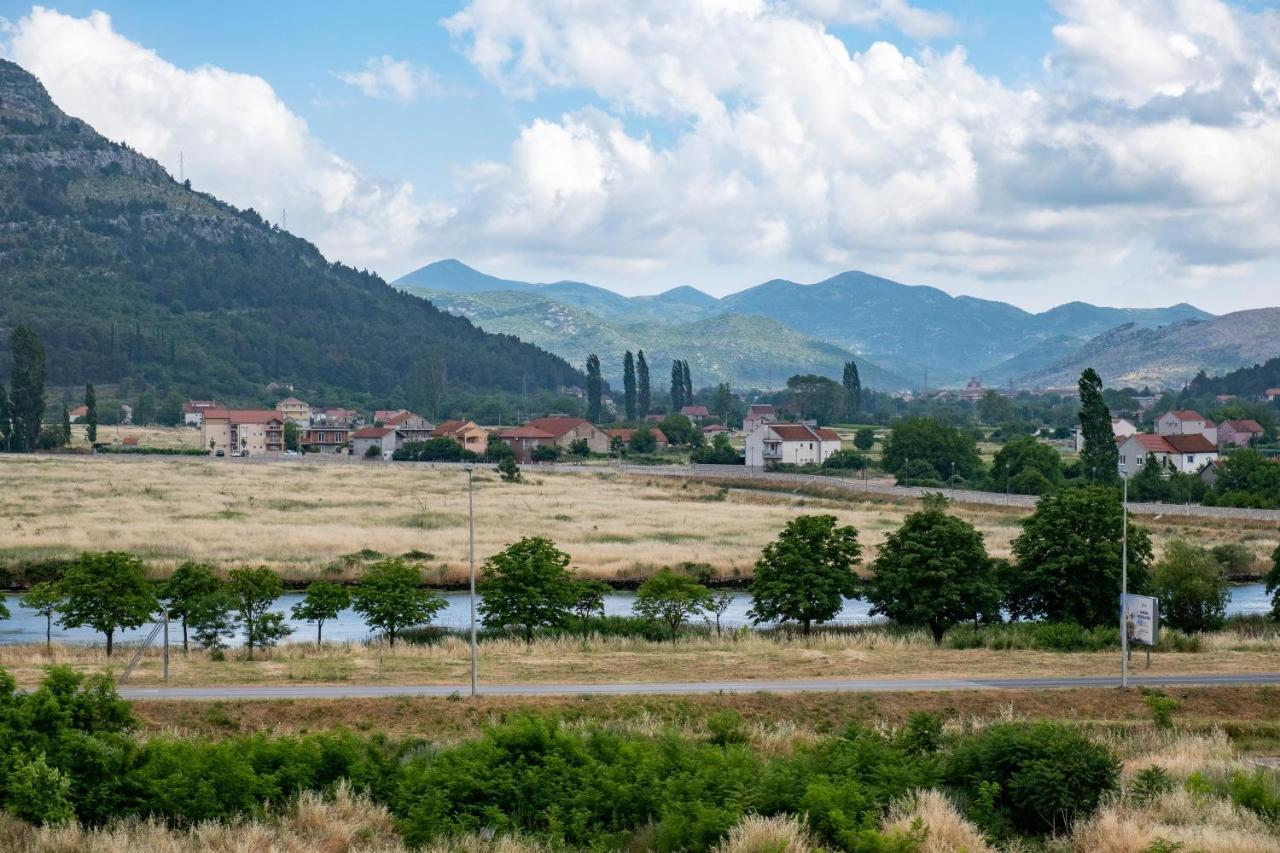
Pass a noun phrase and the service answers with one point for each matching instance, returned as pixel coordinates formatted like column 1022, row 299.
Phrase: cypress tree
column 629, row 384
column 642, row 385
column 91, row 413
column 595, row 387
column 1100, row 458
column 26, row 388
column 66, row 425
column 688, row 383
column 6, row 423
column 677, row 386
column 852, row 391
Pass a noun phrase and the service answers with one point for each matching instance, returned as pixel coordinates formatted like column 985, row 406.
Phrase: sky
column 1120, row 152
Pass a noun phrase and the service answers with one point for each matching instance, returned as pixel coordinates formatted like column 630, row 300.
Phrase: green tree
column 932, row 443
column 672, row 598
column 1192, row 587
column 212, row 620
column 717, row 605
column 679, row 430
column 43, row 598
column 806, row 573
column 643, row 393
column 595, row 388
column 37, row 792
column 428, row 382
column 66, row 425
column 864, row 439
column 1069, row 557
column 643, row 440
column 588, row 602
column 106, row 591
column 994, row 408
column 527, row 586
column 725, row 404
column 817, row 397
column 719, row 452
column 390, row 598
column 291, row 436
column 1249, row 479
column 545, row 453
column 852, row 392
column 323, row 601
column 688, row 382
column 1025, row 453
column 934, row 572
column 6, row 419
column 26, row 388
column 508, row 470
column 189, row 583
column 253, row 592
column 629, row 385
column 1273, row 584
column 1100, row 458
column 677, row 386
column 580, row 447
column 1149, row 483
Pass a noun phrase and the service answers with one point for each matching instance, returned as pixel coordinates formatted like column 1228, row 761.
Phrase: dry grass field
column 148, row 436
column 305, row 519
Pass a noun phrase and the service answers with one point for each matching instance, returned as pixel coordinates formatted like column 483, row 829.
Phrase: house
column 381, row 416
column 193, row 411
column 697, row 414
column 78, row 414
column 1239, row 433
column 383, row 440
column 973, row 391
column 522, row 440
column 126, row 415
column 791, row 444
column 469, row 434
column 130, row 441
column 335, row 417
column 1271, row 394
column 624, row 435
column 293, row 409
column 712, row 430
column 251, row 431
column 1209, row 473
column 1183, row 453
column 412, row 427
column 757, row 414
column 566, row 430
column 1187, row 422
column 1120, row 428
column 325, row 439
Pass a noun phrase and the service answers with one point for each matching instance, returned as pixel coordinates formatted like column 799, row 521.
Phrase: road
column 373, row 691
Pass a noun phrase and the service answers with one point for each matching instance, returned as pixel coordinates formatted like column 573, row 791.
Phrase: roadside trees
column 672, row 598
column 184, row 589
column 1069, row 558
column 1273, row 584
column 322, row 601
column 1024, row 454
column 806, row 573
column 942, row 448
column 391, row 599
column 106, row 591
column 43, row 598
column 588, row 602
column 508, row 470
column 864, row 439
column 1192, row 587
column 527, row 586
column 252, row 592
column 934, row 572
column 212, row 621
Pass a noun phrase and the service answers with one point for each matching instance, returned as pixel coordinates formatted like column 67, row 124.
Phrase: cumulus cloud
column 391, row 79
column 238, row 139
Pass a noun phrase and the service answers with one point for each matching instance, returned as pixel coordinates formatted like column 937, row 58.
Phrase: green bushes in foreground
column 66, row 751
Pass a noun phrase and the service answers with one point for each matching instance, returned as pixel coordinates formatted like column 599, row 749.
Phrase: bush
column 845, row 460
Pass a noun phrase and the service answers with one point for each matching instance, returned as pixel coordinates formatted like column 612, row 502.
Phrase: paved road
column 361, row 691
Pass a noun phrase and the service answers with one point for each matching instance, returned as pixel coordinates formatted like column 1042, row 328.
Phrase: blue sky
column 1036, row 152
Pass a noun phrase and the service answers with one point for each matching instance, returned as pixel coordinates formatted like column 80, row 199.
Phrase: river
column 28, row 626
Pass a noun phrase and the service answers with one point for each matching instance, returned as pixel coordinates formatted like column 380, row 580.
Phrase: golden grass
column 302, row 518
column 777, row 834
column 1176, row 818
column 946, row 829
column 148, row 436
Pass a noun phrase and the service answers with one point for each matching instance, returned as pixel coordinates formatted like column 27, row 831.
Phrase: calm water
column 27, row 626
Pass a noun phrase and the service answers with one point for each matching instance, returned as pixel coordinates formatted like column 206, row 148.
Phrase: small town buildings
column 758, row 414
column 791, row 444
column 295, row 410
column 78, row 414
column 1239, row 433
column 335, row 417
column 1120, row 428
column 1186, row 454
column 469, row 434
column 972, row 391
column 624, row 435
column 412, row 427
column 325, row 439
column 126, row 415
column 1271, row 394
column 523, row 439
column 193, row 411
column 383, row 440
column 1187, row 422
column 697, row 414
column 712, row 430
column 251, row 431
column 566, row 430
column 381, row 416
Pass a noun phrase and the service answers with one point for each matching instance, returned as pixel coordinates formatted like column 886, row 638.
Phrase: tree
column 1149, row 484
column 679, row 429
column 1069, row 557
column 806, row 573
column 291, row 435
column 852, row 391
column 580, row 447
column 212, row 621
column 1100, row 458
column 545, row 453
column 43, row 598
column 428, row 382
column 390, row 598
column 629, row 385
column 725, row 404
column 322, row 601
column 527, row 586
column 719, row 452
column 189, row 583
column 66, row 425
column 934, row 572
column 1192, row 587
column 672, row 598
column 6, row 419
column 253, row 592
column 643, row 440
column 643, row 394
column 26, row 388
column 718, row 604
column 994, row 408
column 688, row 382
column 588, row 601
column 845, row 460
column 595, row 388
column 864, row 439
column 1273, row 584
column 106, row 591
column 817, row 397
column 677, row 386
column 930, row 442
column 1024, row 453
column 508, row 470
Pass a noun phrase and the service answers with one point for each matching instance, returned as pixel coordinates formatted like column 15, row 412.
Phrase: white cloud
column 239, row 140
column 393, row 79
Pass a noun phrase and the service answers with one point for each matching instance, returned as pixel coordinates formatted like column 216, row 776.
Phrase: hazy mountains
column 897, row 332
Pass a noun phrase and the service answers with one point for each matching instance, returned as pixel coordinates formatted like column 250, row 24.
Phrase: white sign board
column 1142, row 619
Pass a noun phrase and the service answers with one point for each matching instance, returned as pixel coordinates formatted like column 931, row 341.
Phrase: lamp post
column 471, row 559
column 1006, row 484
column 1124, row 587
column 953, row 480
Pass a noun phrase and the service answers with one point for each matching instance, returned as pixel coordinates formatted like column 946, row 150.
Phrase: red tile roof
column 293, row 401
column 453, row 427
column 1187, row 415
column 827, row 434
column 1246, row 425
column 524, row 432
column 1193, row 443
column 79, row 411
column 794, row 432
column 192, row 406
column 626, row 433
column 243, row 416
column 695, row 412
column 557, row 426
column 1148, row 442
column 373, row 432
column 762, row 409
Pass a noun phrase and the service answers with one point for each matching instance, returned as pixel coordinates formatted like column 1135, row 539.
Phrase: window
column 1140, row 460
column 1122, row 462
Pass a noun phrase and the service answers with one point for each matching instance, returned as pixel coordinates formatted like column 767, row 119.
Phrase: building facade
column 790, row 444
column 247, row 431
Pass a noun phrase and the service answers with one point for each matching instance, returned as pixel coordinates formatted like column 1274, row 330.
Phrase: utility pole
column 1124, row 588
column 166, row 645
column 471, row 558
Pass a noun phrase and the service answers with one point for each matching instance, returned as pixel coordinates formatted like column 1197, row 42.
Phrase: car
column 220, row 452
column 291, row 453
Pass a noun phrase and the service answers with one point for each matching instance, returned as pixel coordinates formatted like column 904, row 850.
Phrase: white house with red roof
column 193, row 411
column 790, row 444
column 1183, row 453
column 1187, row 422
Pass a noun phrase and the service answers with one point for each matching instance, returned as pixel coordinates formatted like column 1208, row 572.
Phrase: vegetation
column 186, row 589
column 252, row 593
column 671, row 598
column 527, row 586
column 106, row 592
column 643, row 393
column 852, row 391
column 924, row 449
column 629, row 386
column 1192, row 587
column 1273, row 584
column 323, row 601
column 595, row 388
column 390, row 598
column 719, row 452
column 1026, row 466
column 1100, row 459
column 1247, row 479
column 806, row 573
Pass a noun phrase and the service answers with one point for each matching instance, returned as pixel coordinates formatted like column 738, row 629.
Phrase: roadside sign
column 1141, row 618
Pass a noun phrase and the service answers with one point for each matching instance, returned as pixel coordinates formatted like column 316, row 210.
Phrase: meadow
column 312, row 521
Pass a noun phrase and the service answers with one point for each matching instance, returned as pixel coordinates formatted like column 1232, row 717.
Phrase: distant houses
column 565, row 430
column 242, row 431
column 790, row 444
column 193, row 411
column 759, row 414
column 1184, row 441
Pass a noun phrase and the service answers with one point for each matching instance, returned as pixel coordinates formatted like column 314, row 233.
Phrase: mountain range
column 902, row 336
column 132, row 278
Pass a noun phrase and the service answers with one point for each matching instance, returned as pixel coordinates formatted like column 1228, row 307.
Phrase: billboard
column 1141, row 619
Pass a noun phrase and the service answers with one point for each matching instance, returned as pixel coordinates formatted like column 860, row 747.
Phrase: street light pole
column 471, row 559
column 1124, row 588
column 1006, row 484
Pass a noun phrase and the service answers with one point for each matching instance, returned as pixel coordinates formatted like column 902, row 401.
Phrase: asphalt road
column 363, row 691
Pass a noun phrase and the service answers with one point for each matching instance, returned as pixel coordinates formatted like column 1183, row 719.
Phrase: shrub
column 1162, row 708
column 1150, row 784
